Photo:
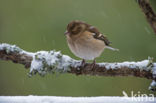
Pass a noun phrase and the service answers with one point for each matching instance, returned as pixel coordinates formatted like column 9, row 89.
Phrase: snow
column 52, row 61
column 43, row 61
column 154, row 70
column 153, row 86
column 9, row 48
column 13, row 48
column 54, row 99
column 140, row 65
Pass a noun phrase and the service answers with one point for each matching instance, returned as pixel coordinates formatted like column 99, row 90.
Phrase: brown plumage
column 76, row 26
column 85, row 41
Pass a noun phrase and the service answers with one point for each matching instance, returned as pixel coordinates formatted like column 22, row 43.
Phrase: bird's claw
column 83, row 64
column 93, row 65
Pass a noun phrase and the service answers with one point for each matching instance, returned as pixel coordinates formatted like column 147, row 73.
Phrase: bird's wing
column 98, row 35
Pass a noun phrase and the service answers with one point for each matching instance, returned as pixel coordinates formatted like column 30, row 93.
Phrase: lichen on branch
column 52, row 61
column 43, row 62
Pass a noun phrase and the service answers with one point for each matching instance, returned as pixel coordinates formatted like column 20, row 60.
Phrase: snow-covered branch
column 43, row 62
column 54, row 99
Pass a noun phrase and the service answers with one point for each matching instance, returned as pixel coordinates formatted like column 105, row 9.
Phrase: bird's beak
column 66, row 33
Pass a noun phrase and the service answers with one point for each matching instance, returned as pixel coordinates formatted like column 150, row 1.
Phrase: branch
column 59, row 99
column 43, row 62
column 149, row 13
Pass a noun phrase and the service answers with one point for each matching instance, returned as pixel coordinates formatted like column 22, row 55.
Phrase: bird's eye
column 73, row 27
column 76, row 30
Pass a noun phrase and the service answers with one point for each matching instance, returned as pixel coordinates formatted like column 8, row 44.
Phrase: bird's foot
column 83, row 63
column 80, row 68
column 93, row 64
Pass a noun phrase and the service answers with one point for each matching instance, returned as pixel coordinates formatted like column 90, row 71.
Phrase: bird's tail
column 114, row 49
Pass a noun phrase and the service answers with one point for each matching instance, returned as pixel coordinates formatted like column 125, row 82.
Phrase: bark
column 99, row 69
column 43, row 62
column 149, row 13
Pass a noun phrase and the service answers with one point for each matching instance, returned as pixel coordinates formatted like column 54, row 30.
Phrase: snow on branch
column 43, row 62
column 54, row 99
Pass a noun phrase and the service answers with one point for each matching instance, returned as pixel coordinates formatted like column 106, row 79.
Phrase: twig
column 149, row 13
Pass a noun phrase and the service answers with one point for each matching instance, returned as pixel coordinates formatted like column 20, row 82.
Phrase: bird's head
column 75, row 27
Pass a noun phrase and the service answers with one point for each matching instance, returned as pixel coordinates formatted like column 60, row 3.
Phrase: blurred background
column 37, row 25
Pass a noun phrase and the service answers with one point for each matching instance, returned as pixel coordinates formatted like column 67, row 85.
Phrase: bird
column 85, row 41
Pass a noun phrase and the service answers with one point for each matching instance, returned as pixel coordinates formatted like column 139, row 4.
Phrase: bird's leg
column 93, row 64
column 81, row 67
column 83, row 63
